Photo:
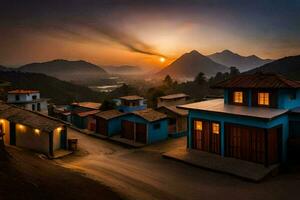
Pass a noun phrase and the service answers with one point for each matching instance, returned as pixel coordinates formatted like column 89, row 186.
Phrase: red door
column 102, row 126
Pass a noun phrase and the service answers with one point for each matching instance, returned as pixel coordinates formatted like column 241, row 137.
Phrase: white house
column 28, row 99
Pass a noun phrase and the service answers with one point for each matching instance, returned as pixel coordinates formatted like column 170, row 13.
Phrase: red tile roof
column 23, row 91
column 258, row 80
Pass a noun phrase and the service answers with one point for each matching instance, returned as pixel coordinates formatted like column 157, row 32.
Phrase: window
column 157, row 126
column 263, row 98
column 238, row 97
column 34, row 97
column 198, row 125
column 216, row 128
column 17, row 97
column 33, row 107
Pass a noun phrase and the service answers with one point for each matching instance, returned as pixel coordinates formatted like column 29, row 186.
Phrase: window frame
column 241, row 97
column 264, row 98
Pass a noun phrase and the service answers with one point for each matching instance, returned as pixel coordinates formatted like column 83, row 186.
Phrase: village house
column 32, row 130
column 177, row 120
column 172, row 100
column 28, row 99
column 107, row 123
column 145, row 126
column 131, row 103
column 81, row 111
column 254, row 122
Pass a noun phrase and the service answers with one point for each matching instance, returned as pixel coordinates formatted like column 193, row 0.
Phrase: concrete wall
column 11, row 98
column 246, row 121
column 27, row 138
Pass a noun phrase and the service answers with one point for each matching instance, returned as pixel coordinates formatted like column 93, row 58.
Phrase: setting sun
column 162, row 59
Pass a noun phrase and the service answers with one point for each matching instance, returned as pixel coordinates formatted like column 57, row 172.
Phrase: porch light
column 1, row 121
column 37, row 132
column 20, row 126
column 59, row 129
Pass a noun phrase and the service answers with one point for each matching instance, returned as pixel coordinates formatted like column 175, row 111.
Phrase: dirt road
column 144, row 174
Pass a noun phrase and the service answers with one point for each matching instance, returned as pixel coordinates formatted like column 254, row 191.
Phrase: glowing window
column 216, row 128
column 263, row 98
column 198, row 125
column 238, row 97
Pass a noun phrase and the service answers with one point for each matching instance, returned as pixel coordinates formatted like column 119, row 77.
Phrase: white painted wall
column 11, row 98
column 26, row 137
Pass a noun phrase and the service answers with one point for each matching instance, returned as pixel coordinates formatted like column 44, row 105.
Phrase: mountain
column 123, row 69
column 60, row 92
column 243, row 63
column 190, row 64
column 287, row 66
column 75, row 71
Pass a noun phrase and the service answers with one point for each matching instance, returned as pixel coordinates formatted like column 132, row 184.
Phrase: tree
column 107, row 105
column 152, row 95
column 168, row 81
column 233, row 72
column 200, row 78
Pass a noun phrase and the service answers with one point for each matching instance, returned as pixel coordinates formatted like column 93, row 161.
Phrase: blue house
column 131, row 103
column 145, row 126
column 255, row 121
column 108, row 123
column 177, row 120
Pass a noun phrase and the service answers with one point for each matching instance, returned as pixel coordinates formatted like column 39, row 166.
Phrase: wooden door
column 141, row 133
column 246, row 143
column 214, row 141
column 102, row 126
column 201, row 138
column 127, row 130
column 274, row 147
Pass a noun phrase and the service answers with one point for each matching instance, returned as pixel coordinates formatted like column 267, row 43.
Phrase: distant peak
column 195, row 52
column 227, row 51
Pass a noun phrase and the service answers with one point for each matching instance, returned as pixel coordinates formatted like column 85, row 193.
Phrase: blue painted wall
column 247, row 121
column 127, row 109
column 80, row 122
column 154, row 135
column 114, row 126
column 285, row 101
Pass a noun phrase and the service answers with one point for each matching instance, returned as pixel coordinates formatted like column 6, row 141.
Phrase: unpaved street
column 144, row 174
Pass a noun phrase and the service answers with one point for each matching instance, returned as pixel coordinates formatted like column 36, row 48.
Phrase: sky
column 140, row 32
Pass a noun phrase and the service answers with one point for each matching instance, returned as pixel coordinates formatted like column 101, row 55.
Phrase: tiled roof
column 174, row 96
column 29, row 118
column 258, row 80
column 23, row 91
column 218, row 106
column 92, row 105
column 175, row 110
column 131, row 98
column 150, row 115
column 109, row 114
column 87, row 113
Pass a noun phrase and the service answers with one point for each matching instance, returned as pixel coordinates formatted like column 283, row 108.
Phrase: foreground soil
column 28, row 176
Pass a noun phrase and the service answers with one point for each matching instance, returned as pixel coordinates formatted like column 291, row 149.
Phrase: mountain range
column 287, row 66
column 190, row 64
column 243, row 63
column 75, row 71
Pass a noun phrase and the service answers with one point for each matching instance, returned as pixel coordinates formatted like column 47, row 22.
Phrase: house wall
column 43, row 106
column 126, row 109
column 11, row 98
column 246, row 121
column 57, row 139
column 154, row 135
column 26, row 137
column 80, row 122
column 6, row 130
column 285, row 101
column 115, row 126
column 160, row 134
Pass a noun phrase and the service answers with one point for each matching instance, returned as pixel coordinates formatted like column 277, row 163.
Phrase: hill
column 287, row 66
column 60, row 92
column 243, row 63
column 75, row 71
column 123, row 69
column 190, row 64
